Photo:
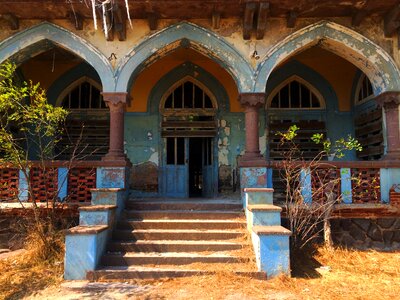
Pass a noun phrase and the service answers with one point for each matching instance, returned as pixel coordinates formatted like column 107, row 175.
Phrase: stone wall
column 374, row 233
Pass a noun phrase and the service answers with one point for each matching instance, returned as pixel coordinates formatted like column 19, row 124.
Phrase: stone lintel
column 271, row 230
column 258, row 190
column 97, row 207
column 263, row 207
column 86, row 229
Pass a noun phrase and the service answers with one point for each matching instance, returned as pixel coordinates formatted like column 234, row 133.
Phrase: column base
column 117, row 156
column 252, row 159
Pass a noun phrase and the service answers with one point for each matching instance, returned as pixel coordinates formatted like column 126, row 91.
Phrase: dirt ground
column 328, row 274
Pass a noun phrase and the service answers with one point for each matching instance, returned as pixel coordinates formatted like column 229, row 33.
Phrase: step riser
column 186, row 215
column 171, row 248
column 130, row 261
column 177, row 225
column 107, row 275
column 193, row 236
column 183, row 206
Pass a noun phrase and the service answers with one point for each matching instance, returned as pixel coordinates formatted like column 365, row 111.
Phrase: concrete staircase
column 159, row 238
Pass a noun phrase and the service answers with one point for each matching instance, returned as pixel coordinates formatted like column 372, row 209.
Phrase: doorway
column 189, row 167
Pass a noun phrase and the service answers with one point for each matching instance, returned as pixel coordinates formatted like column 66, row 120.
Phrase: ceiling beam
column 12, row 20
column 110, row 23
column 262, row 16
column 152, row 19
column 119, row 19
column 76, row 20
column 391, row 21
column 362, row 12
column 248, row 19
column 216, row 20
column 292, row 18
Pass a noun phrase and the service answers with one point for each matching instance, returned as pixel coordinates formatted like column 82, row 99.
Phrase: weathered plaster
column 66, row 39
column 197, row 37
column 362, row 52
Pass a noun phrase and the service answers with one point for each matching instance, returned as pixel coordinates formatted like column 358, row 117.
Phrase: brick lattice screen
column 80, row 181
column 8, row 184
column 320, row 179
column 44, row 183
column 366, row 185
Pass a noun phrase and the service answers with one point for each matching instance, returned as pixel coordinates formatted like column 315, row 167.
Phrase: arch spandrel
column 185, row 35
column 15, row 46
column 348, row 44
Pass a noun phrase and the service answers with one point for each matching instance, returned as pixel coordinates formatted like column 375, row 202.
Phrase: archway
column 350, row 45
column 185, row 35
column 44, row 36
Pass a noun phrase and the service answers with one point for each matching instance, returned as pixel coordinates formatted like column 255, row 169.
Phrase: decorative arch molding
column 179, row 35
column 21, row 45
column 197, row 74
column 70, row 77
column 350, row 45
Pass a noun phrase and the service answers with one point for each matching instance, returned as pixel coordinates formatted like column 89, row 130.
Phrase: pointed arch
column 350, row 45
column 185, row 35
column 197, row 74
column 19, row 46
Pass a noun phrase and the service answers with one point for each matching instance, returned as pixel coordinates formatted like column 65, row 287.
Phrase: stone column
column 116, row 102
column 252, row 102
column 390, row 102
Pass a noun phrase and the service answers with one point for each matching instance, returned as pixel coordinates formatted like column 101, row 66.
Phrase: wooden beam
column 391, row 21
column 76, row 19
column 291, row 18
column 248, row 19
column 110, row 23
column 119, row 22
column 263, row 11
column 152, row 19
column 359, row 16
column 12, row 21
column 216, row 20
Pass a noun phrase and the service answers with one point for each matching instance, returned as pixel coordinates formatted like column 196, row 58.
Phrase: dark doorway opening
column 200, row 157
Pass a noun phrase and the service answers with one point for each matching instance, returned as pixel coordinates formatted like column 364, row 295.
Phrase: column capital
column 115, row 98
column 255, row 100
column 388, row 100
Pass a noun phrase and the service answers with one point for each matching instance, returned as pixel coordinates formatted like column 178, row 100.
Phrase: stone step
column 173, row 246
column 181, row 224
column 183, row 214
column 177, row 234
column 167, row 258
column 145, row 272
column 184, row 205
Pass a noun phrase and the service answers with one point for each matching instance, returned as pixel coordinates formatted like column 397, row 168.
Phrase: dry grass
column 33, row 270
column 351, row 275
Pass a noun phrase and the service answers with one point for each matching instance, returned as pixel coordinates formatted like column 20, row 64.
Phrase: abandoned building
column 184, row 100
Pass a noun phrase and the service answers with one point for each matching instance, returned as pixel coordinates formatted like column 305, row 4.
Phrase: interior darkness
column 195, row 167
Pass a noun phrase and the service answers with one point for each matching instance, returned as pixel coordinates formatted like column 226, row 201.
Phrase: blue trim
column 62, row 183
column 77, row 72
column 383, row 71
column 305, row 185
column 22, row 43
column 23, row 186
column 389, row 177
column 180, row 35
column 345, row 185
